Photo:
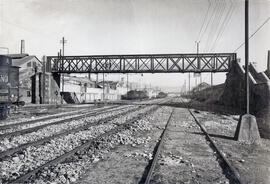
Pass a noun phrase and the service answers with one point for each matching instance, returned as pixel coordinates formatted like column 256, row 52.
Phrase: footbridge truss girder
column 151, row 63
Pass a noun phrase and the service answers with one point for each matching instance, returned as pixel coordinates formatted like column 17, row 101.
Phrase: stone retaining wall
column 234, row 95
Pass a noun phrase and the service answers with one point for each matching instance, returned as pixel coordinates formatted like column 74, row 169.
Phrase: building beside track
column 40, row 87
column 29, row 69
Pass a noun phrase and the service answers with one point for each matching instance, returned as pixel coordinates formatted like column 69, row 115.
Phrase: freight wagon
column 9, row 86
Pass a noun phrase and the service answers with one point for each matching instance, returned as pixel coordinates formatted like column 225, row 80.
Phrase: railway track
column 91, row 142
column 46, row 118
column 220, row 156
column 157, row 151
column 13, row 142
column 224, row 163
column 82, row 112
column 11, row 151
column 57, row 122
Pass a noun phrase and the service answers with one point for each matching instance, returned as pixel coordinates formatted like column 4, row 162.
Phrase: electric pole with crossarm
column 63, row 42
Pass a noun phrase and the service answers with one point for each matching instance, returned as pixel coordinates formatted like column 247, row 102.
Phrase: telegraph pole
column 188, row 81
column 247, row 129
column 127, row 83
column 211, row 78
column 198, row 49
column 268, row 64
column 63, row 42
column 247, row 52
column 103, row 94
column 62, row 78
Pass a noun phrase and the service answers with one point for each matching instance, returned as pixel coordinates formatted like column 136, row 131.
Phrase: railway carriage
column 9, row 86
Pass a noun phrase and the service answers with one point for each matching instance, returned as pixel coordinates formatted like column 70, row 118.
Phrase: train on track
column 9, row 86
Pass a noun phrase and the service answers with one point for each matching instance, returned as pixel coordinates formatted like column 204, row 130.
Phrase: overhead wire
column 225, row 22
column 209, row 20
column 219, row 10
column 204, row 20
column 219, row 25
column 210, row 23
column 253, row 34
column 215, row 24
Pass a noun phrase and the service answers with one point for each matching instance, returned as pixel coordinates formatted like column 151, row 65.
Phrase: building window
column 28, row 94
column 29, row 64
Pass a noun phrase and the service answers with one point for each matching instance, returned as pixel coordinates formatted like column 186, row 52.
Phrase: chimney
column 22, row 47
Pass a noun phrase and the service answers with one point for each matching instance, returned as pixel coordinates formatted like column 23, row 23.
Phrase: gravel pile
column 35, row 156
column 54, row 129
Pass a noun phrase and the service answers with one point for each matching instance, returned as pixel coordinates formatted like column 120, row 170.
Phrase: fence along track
column 32, row 129
column 24, row 178
column 43, row 140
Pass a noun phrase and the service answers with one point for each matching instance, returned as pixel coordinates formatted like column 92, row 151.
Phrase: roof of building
column 17, row 56
column 23, row 60
column 112, row 84
column 79, row 79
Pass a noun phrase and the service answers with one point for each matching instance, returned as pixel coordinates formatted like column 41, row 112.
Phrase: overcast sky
column 134, row 27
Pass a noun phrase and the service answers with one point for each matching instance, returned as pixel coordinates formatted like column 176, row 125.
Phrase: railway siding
column 126, row 163
column 52, row 129
column 37, row 156
column 186, row 156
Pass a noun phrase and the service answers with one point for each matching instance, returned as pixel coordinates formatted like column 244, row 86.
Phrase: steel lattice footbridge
column 144, row 63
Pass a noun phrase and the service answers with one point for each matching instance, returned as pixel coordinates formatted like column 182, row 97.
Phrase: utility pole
column 185, row 87
column 188, row 81
column 212, row 67
column 211, row 78
column 96, row 80
column 62, row 77
column 199, row 64
column 103, row 92
column 268, row 64
column 247, row 52
column 127, row 83
column 63, row 42
column 247, row 129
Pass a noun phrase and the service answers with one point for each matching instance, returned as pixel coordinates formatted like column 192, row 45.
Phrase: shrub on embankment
column 209, row 95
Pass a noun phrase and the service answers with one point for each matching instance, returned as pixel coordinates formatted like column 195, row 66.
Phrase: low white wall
column 88, row 94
